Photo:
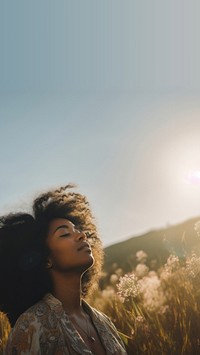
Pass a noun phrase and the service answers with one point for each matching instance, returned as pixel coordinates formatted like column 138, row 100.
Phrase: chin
column 89, row 264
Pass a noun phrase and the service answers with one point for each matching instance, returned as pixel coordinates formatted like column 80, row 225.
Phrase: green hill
column 179, row 239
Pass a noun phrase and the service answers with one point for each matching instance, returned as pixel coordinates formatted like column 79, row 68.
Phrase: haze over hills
column 180, row 239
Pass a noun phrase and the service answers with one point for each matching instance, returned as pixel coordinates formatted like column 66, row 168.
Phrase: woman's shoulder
column 33, row 313
column 24, row 331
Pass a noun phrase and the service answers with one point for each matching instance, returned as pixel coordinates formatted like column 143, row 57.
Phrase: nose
column 80, row 235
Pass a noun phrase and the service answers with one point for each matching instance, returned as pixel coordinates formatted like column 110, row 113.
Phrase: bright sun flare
column 193, row 177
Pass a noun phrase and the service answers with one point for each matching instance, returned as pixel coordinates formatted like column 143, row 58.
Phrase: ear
column 49, row 264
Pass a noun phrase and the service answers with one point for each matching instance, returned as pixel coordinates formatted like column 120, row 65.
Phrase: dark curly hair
column 24, row 279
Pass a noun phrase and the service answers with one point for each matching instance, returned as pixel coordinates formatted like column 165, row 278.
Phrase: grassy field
column 155, row 311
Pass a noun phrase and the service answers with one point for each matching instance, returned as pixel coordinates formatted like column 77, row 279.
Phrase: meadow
column 155, row 308
column 155, row 311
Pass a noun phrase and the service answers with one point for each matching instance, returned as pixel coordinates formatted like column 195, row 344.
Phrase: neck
column 67, row 289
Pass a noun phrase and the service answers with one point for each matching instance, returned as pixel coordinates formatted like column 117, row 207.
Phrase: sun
column 192, row 177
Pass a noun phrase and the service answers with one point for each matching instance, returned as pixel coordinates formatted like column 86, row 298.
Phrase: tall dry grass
column 156, row 311
column 4, row 331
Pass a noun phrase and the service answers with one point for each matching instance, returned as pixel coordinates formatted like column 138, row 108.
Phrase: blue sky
column 104, row 94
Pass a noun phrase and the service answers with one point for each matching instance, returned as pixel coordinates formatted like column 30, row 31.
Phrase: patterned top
column 45, row 329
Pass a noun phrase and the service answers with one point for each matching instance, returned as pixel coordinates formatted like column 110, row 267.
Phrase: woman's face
column 69, row 249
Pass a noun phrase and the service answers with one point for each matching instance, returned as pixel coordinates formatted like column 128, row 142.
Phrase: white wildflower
column 113, row 279
column 152, row 273
column 141, row 257
column 171, row 265
column 141, row 270
column 193, row 266
column 128, row 287
column 119, row 272
column 152, row 293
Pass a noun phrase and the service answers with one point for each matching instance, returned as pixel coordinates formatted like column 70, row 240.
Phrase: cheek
column 60, row 256
column 60, row 253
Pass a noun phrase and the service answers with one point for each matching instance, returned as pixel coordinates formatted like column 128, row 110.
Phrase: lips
column 84, row 245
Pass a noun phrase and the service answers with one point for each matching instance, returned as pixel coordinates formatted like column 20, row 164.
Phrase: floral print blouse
column 45, row 329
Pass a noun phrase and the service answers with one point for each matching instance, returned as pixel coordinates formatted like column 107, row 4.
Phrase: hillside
column 179, row 239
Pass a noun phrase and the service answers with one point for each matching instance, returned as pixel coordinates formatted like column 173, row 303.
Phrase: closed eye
column 64, row 235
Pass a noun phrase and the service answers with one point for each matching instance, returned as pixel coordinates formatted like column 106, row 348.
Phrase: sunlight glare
column 193, row 177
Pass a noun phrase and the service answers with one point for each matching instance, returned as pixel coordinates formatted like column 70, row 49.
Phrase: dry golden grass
column 4, row 331
column 157, row 312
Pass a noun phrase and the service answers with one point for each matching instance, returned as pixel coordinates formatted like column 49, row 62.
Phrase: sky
column 106, row 95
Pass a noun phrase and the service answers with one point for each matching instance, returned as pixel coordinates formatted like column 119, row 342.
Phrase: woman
column 49, row 262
